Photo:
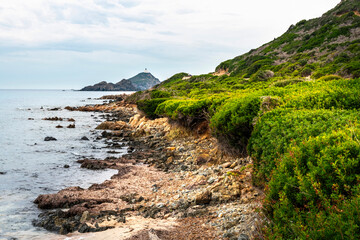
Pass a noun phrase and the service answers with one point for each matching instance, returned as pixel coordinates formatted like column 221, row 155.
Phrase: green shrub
column 188, row 112
column 306, row 72
column 233, row 120
column 275, row 131
column 341, row 94
column 330, row 78
column 263, row 75
column 284, row 83
column 159, row 94
column 149, row 106
column 314, row 191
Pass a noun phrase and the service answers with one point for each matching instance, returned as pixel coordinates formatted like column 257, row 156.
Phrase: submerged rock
column 50, row 139
column 84, row 138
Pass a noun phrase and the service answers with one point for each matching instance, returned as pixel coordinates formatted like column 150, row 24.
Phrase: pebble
column 211, row 180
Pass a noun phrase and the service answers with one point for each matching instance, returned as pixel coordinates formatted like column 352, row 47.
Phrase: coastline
column 172, row 184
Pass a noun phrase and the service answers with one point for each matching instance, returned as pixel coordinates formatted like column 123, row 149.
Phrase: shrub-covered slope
column 293, row 105
column 321, row 46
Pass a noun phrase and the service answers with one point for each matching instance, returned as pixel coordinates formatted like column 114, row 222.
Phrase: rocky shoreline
column 170, row 176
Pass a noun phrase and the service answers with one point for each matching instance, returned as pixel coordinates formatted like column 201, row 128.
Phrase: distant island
column 141, row 81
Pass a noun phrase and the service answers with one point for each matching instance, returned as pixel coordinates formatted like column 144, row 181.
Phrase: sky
column 69, row 44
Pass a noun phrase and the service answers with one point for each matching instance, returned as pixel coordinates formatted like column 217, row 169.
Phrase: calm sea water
column 33, row 166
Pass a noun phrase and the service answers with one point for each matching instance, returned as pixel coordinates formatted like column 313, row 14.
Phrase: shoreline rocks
column 167, row 173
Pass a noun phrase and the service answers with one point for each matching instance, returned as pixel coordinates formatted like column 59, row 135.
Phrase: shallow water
column 31, row 166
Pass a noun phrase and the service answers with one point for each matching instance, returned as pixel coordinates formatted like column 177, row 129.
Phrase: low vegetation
column 293, row 106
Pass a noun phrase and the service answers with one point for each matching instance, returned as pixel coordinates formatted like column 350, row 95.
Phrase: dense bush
column 302, row 134
column 233, row 121
column 149, row 106
column 277, row 129
column 159, row 94
column 314, row 191
column 187, row 112
column 284, row 83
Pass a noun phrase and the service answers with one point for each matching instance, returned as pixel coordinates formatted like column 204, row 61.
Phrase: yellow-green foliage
column 310, row 125
column 296, row 112
column 314, row 190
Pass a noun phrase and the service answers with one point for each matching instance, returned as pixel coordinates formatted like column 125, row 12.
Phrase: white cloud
column 167, row 32
column 36, row 22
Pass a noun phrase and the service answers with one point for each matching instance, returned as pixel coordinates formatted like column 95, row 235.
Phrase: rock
column 2, row 173
column 155, row 188
column 84, row 217
column 50, row 139
column 181, row 149
column 153, row 235
column 71, row 126
column 92, row 164
column 203, row 197
column 30, row 119
column 66, row 166
column 84, row 138
column 243, row 237
column 84, row 228
column 119, row 125
column 202, row 159
column 71, row 120
column 53, row 119
column 211, row 180
column 233, row 165
column 59, row 126
column 226, row 165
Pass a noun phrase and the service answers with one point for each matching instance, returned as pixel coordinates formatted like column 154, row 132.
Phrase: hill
column 292, row 105
column 318, row 47
column 141, row 81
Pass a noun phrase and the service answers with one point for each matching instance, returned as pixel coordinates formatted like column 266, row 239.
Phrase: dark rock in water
column 84, row 138
column 54, row 109
column 66, row 166
column 71, row 126
column 50, row 139
column 59, row 126
column 2, row 173
column 53, row 119
column 92, row 164
column 30, row 119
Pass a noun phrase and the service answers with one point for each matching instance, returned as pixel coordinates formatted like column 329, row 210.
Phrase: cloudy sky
column 55, row 44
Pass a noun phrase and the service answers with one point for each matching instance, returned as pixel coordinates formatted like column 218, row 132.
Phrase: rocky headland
column 141, row 81
column 172, row 184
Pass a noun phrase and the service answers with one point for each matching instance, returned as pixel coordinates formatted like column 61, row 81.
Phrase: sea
column 30, row 166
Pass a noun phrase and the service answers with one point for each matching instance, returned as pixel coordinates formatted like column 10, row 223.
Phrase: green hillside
column 293, row 106
column 321, row 46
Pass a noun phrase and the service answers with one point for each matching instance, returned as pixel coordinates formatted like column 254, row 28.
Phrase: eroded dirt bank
column 172, row 184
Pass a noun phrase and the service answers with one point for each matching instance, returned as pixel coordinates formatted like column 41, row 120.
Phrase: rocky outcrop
column 123, row 85
column 169, row 174
column 141, row 81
